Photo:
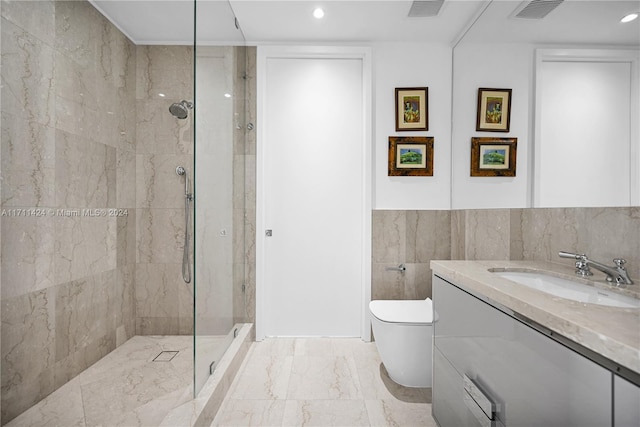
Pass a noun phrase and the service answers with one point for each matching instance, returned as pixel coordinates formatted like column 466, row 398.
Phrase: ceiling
column 573, row 22
column 366, row 21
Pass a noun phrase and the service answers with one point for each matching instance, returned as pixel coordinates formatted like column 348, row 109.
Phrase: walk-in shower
column 100, row 235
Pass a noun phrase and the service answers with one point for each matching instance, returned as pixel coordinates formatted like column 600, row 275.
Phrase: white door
column 312, row 166
column 586, row 148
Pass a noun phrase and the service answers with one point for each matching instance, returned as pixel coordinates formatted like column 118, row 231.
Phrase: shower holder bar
column 188, row 198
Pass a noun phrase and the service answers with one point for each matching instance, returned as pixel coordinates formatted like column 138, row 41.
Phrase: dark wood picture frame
column 412, row 109
column 494, row 110
column 493, row 156
column 411, row 156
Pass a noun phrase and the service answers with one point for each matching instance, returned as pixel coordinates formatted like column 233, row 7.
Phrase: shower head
column 181, row 109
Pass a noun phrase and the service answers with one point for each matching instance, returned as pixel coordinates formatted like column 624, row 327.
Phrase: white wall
column 508, row 66
column 412, row 65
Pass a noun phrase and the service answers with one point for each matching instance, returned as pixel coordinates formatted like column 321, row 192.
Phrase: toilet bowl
column 403, row 332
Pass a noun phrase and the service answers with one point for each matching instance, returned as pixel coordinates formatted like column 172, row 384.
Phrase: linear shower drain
column 165, row 356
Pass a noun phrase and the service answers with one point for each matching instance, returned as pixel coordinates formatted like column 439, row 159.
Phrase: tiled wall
column 413, row 238
column 517, row 234
column 248, row 298
column 68, row 145
column 164, row 303
column 538, row 234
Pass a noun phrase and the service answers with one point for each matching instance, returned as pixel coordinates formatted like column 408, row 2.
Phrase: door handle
column 268, row 233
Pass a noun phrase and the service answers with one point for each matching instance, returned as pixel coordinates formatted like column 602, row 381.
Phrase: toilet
column 403, row 332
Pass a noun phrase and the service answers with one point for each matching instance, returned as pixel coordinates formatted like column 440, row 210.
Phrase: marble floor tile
column 323, row 377
column 124, row 388
column 398, row 413
column 109, row 402
column 320, row 382
column 62, row 408
column 262, row 413
column 325, row 413
column 276, row 347
column 266, row 377
column 282, row 382
column 327, row 346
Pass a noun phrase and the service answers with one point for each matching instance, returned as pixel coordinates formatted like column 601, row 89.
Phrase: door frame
column 264, row 53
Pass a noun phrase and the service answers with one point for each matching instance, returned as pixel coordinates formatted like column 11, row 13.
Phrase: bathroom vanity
column 509, row 355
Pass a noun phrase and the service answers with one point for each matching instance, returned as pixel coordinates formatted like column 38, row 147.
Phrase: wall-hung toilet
column 403, row 331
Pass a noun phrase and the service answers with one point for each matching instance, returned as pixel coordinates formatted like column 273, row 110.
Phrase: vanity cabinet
column 626, row 403
column 488, row 360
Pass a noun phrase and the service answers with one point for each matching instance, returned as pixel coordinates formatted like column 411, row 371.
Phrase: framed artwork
column 411, row 156
column 412, row 108
column 494, row 110
column 493, row 156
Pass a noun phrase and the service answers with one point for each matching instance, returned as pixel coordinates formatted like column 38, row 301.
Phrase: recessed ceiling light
column 630, row 17
column 318, row 13
column 161, row 95
column 227, row 95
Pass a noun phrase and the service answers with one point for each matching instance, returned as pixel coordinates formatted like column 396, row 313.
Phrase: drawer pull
column 476, row 399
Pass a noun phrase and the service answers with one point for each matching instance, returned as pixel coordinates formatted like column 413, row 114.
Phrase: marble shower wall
column 164, row 303
column 244, row 185
column 68, row 200
column 248, row 298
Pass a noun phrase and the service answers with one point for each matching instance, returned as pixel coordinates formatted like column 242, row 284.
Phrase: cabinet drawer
column 534, row 379
column 448, row 399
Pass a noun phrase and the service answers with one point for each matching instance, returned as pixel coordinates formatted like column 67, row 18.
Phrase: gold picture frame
column 411, row 156
column 494, row 110
column 412, row 109
column 493, row 156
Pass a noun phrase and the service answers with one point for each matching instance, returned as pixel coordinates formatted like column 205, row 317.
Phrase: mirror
column 530, row 56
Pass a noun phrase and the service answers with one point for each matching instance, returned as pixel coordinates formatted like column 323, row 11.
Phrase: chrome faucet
column 617, row 273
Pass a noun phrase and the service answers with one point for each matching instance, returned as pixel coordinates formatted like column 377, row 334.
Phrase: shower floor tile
column 124, row 388
column 320, row 382
column 282, row 382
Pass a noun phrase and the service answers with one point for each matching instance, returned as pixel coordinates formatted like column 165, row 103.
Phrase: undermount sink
column 568, row 289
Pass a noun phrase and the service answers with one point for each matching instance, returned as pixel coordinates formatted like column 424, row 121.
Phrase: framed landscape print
column 494, row 110
column 412, row 108
column 493, row 156
column 411, row 156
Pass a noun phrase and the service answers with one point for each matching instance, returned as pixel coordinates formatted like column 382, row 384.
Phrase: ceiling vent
column 425, row 8
column 536, row 9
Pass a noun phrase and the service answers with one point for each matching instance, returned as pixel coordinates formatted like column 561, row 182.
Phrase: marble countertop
column 610, row 331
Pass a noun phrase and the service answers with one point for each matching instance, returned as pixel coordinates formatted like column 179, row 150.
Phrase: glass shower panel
column 219, row 184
